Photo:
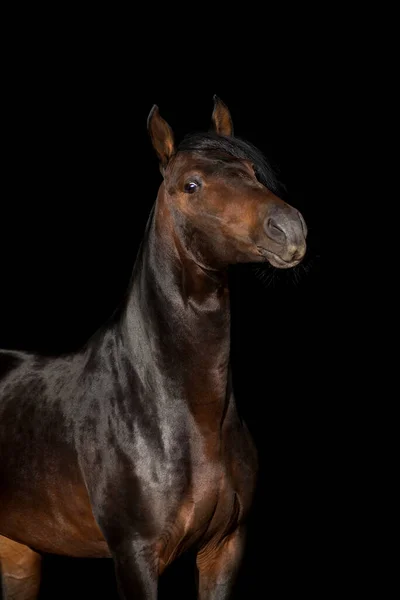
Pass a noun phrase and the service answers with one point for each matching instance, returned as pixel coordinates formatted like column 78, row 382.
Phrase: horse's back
column 27, row 378
column 9, row 361
column 30, row 389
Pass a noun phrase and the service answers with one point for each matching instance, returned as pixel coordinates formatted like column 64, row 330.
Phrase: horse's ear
column 161, row 136
column 221, row 118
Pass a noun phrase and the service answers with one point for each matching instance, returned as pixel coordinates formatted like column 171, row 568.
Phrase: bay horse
column 132, row 447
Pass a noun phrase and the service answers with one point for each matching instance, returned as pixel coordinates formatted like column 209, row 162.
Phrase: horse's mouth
column 275, row 260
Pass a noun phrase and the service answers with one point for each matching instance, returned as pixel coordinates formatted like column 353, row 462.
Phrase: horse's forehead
column 208, row 165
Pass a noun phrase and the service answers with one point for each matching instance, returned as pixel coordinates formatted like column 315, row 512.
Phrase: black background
column 80, row 179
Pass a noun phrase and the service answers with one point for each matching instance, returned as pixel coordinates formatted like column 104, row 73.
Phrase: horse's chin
column 275, row 260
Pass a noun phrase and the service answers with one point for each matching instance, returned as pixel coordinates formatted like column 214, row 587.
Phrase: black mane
column 211, row 143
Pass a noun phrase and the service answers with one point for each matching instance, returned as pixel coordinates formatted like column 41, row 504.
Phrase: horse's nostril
column 274, row 230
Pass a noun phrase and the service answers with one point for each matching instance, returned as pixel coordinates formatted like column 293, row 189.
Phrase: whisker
column 274, row 278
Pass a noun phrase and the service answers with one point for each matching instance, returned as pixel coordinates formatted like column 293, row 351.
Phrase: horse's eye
column 191, row 186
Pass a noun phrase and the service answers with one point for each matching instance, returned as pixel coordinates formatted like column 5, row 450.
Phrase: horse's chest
column 207, row 505
column 217, row 494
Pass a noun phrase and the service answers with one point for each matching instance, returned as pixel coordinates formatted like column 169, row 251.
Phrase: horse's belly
column 58, row 521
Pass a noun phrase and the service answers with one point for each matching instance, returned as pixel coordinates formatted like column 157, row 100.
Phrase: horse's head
column 216, row 189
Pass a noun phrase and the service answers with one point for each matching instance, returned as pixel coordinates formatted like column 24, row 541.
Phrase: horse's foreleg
column 218, row 565
column 136, row 571
column 20, row 570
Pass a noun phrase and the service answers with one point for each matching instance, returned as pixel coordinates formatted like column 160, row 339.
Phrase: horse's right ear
column 161, row 136
column 221, row 118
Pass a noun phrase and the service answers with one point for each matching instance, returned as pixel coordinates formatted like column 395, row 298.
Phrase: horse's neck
column 177, row 320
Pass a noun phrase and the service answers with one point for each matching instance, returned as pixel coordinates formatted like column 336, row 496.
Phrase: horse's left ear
column 221, row 118
column 161, row 136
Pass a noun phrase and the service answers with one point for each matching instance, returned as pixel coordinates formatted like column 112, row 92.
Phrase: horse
column 132, row 447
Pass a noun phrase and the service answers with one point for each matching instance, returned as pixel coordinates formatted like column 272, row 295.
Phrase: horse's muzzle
column 286, row 231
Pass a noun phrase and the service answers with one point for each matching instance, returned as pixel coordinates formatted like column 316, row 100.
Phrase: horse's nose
column 303, row 224
column 287, row 229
